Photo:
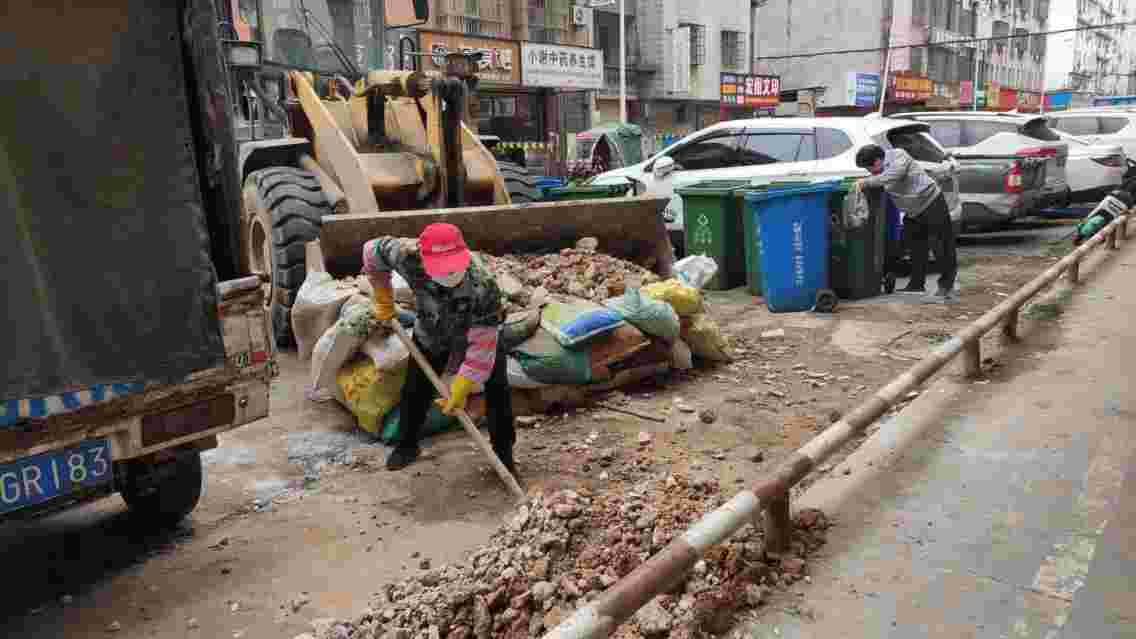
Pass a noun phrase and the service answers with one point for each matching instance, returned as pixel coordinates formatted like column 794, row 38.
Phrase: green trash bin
column 586, row 192
column 713, row 226
column 856, row 261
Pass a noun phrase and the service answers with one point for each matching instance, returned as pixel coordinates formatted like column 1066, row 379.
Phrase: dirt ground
column 300, row 521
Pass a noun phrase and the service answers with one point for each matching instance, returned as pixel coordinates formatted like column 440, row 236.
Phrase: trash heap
column 560, row 551
column 579, row 273
column 580, row 323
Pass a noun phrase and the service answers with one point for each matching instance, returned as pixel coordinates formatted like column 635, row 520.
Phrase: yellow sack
column 685, row 300
column 705, row 338
column 370, row 393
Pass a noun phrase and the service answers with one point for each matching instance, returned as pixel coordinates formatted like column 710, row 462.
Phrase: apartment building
column 951, row 63
column 677, row 51
column 1093, row 61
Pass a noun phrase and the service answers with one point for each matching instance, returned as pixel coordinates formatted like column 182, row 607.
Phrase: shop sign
column 1008, row 99
column 1029, row 100
column 863, row 89
column 993, row 95
column 499, row 58
column 911, row 88
column 966, row 92
column 561, row 67
column 756, row 91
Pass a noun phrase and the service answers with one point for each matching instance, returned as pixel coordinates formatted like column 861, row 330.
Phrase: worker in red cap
column 458, row 325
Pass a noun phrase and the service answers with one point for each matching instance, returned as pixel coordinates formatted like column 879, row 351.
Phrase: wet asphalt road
column 1028, row 237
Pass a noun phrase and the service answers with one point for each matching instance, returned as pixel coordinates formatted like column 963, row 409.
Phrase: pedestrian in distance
column 459, row 317
column 926, row 219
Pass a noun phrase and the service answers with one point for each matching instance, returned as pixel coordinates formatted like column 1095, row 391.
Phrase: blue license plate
column 37, row 479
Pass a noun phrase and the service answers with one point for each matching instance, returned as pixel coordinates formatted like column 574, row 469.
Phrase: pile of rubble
column 527, row 280
column 561, row 551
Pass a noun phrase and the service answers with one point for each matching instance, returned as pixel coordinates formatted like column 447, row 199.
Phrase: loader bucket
column 630, row 228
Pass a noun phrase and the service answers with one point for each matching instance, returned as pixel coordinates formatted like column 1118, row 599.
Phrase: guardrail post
column 778, row 525
column 1122, row 229
column 1110, row 242
column 1073, row 273
column 1010, row 325
column 971, row 358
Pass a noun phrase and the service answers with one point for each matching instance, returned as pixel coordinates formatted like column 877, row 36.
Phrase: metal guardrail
column 770, row 496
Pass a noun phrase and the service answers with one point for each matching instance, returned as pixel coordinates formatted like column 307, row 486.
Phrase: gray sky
column 1059, row 50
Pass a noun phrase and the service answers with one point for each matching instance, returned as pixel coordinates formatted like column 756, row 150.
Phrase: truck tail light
column 1039, row 152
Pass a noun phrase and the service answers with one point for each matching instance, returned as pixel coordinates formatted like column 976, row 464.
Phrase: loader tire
column 284, row 207
column 520, row 186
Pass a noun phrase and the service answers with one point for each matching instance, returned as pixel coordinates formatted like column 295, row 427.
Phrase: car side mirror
column 663, row 167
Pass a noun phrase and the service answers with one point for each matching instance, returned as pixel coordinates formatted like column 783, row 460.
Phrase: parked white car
column 1094, row 170
column 1101, row 125
column 767, row 149
column 979, row 133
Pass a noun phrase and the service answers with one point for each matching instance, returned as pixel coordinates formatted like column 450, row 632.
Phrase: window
column 715, row 151
column 733, row 50
column 774, row 147
column 918, row 144
column 831, row 143
column 1112, row 125
column 947, row 132
column 977, row 131
column 1084, row 125
column 1039, row 130
column 697, row 44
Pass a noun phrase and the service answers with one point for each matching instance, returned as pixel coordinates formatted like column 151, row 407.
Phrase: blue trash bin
column 794, row 237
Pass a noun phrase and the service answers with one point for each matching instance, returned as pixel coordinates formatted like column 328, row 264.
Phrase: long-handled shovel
column 466, row 422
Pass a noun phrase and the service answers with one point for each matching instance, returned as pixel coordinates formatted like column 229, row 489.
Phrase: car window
column 918, row 144
column 1112, row 125
column 1079, row 125
column 946, row 132
column 831, row 143
column 715, row 151
column 977, row 131
column 769, row 148
column 1039, row 130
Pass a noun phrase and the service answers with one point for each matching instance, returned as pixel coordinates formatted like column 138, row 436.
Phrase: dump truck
column 336, row 152
column 134, row 338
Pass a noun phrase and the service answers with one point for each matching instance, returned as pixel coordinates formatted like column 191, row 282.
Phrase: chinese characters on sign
column 743, row 89
column 498, row 61
column 552, row 65
column 909, row 88
column 863, row 89
column 798, row 254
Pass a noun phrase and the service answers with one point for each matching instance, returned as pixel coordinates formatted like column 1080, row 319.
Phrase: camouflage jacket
column 445, row 315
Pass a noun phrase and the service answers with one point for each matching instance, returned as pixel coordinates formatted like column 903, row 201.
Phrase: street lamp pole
column 622, row 63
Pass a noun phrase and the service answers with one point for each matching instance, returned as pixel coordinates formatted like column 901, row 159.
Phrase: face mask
column 451, row 280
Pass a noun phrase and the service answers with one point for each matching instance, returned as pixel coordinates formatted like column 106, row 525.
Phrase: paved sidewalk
column 1013, row 513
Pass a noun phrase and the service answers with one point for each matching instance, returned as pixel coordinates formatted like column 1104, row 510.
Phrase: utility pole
column 622, row 62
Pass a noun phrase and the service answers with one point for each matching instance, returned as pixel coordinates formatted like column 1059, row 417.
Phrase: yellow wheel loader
column 344, row 156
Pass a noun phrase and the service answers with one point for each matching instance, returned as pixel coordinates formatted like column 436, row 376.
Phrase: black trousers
column 418, row 393
column 932, row 230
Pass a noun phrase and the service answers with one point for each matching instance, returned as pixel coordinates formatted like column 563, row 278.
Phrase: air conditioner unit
column 582, row 17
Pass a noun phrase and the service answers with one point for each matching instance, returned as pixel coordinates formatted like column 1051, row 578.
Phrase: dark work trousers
column 418, row 393
column 932, row 229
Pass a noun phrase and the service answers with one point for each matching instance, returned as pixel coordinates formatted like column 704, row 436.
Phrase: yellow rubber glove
column 459, row 392
column 384, row 303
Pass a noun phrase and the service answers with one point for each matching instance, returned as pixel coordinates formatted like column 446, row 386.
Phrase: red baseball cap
column 443, row 250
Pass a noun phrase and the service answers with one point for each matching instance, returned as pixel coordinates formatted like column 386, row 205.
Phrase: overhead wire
column 943, row 43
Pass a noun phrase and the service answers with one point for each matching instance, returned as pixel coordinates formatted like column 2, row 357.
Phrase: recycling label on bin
column 798, row 254
column 703, row 237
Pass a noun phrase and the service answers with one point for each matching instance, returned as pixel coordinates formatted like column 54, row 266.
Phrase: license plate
column 37, row 479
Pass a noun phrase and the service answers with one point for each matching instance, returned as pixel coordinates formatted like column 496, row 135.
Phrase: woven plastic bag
column 370, row 393
column 650, row 315
column 706, row 339
column 686, row 300
column 316, row 308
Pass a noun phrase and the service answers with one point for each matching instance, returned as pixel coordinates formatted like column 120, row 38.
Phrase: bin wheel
column 889, row 283
column 826, row 301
